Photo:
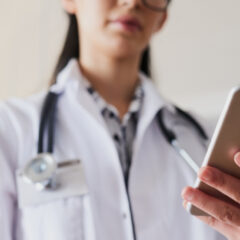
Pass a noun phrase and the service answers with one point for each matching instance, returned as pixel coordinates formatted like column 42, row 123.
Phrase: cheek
column 92, row 14
column 152, row 25
column 152, row 20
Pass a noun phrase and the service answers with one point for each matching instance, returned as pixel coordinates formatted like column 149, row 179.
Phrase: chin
column 122, row 48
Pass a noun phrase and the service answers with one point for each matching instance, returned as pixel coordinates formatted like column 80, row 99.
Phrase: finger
column 221, row 227
column 225, row 229
column 219, row 209
column 228, row 185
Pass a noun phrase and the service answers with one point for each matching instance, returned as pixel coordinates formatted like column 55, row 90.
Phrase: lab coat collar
column 72, row 77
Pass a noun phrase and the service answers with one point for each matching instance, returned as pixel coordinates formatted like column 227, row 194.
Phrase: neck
column 114, row 79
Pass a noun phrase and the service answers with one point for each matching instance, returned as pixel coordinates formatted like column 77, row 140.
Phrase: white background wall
column 195, row 58
column 32, row 33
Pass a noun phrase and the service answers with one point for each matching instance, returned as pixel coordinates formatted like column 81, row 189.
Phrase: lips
column 129, row 23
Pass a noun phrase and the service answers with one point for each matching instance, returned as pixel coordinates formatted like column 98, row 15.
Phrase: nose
column 131, row 3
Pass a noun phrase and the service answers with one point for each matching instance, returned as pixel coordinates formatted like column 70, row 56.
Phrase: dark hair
column 71, row 50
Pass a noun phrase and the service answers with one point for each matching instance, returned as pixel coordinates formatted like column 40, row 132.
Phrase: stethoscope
column 41, row 170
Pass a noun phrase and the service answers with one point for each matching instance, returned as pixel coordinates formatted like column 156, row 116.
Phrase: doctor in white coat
column 117, row 192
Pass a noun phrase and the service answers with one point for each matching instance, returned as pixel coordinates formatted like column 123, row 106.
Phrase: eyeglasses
column 157, row 5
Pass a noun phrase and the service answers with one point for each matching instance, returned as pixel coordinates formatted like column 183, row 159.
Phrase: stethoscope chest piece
column 40, row 171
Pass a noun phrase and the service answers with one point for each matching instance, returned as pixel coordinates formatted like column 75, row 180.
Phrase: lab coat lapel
column 148, row 169
column 151, row 105
column 71, row 78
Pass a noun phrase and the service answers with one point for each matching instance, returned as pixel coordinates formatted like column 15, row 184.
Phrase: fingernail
column 205, row 174
column 187, row 195
column 237, row 158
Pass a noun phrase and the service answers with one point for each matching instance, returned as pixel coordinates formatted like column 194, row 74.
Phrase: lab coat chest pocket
column 54, row 214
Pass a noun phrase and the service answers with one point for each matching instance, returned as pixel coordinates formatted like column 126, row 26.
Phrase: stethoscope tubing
column 185, row 156
column 48, row 116
column 48, row 119
column 171, row 137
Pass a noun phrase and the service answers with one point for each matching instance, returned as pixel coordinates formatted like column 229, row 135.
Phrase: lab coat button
column 124, row 215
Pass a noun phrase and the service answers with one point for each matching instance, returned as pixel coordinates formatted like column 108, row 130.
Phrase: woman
column 130, row 178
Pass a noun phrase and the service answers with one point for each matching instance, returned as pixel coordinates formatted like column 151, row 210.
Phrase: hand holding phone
column 216, row 198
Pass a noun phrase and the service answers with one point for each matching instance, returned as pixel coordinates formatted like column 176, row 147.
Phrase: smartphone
column 224, row 144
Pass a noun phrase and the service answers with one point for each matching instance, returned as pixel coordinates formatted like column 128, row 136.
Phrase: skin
column 110, row 58
column 224, row 217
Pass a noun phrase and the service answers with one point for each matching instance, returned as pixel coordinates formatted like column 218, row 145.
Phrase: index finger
column 228, row 185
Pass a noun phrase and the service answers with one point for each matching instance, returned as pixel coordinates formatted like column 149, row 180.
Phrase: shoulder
column 21, row 110
column 19, row 120
column 20, row 113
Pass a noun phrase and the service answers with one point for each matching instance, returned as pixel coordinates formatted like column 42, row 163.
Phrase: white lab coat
column 157, row 176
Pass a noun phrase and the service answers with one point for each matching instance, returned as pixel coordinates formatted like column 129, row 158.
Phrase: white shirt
column 156, row 179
